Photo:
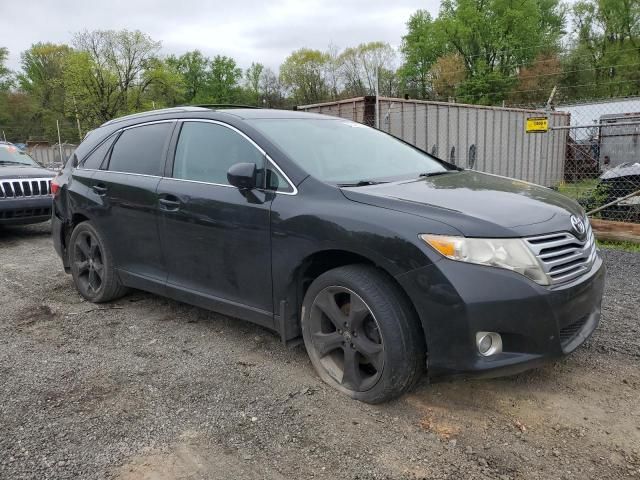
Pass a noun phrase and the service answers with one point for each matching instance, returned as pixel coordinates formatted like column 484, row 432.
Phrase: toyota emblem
column 578, row 225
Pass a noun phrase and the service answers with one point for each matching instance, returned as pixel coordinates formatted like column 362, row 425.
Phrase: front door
column 216, row 238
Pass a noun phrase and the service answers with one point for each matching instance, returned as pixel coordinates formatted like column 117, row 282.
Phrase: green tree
column 252, row 76
column 94, row 88
column 32, row 109
column 161, row 86
column 5, row 82
column 606, row 52
column 193, row 67
column 494, row 39
column 421, row 47
column 304, row 73
column 17, row 116
column 105, row 73
column 223, row 80
column 42, row 79
column 42, row 74
column 6, row 75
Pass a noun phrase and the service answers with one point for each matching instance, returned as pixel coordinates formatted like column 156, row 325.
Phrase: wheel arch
column 319, row 262
column 65, row 235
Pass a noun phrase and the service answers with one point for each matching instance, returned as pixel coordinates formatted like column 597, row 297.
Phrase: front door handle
column 100, row 189
column 169, row 203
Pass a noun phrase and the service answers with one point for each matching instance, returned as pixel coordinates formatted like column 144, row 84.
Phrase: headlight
column 509, row 253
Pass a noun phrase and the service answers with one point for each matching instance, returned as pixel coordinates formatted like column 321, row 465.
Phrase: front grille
column 27, row 187
column 563, row 256
column 569, row 332
column 24, row 213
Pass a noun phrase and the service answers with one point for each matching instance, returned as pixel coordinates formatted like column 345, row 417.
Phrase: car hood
column 476, row 204
column 16, row 171
column 623, row 170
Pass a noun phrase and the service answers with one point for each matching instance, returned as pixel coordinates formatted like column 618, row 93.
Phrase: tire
column 379, row 353
column 92, row 265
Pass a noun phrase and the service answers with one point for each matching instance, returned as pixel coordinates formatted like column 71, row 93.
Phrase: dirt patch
column 189, row 459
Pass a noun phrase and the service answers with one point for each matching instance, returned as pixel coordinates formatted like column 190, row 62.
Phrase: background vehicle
column 382, row 258
column 25, row 191
column 619, row 182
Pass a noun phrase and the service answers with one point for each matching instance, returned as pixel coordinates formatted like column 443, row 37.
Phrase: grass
column 578, row 190
column 625, row 246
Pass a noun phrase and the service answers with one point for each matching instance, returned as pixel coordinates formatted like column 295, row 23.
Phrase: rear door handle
column 169, row 203
column 100, row 189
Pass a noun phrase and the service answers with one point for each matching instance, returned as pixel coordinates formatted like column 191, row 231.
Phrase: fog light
column 488, row 343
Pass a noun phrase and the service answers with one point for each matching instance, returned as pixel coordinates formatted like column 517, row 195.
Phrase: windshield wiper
column 9, row 162
column 435, row 174
column 360, row 183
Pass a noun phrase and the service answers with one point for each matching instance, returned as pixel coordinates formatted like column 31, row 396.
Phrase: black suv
column 25, row 190
column 382, row 258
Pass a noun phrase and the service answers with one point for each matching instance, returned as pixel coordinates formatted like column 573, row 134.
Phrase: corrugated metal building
column 590, row 113
column 490, row 139
column 620, row 138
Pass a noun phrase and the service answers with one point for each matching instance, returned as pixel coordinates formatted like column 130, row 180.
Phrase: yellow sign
column 537, row 124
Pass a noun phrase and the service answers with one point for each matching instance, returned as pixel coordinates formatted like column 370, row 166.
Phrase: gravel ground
column 147, row 388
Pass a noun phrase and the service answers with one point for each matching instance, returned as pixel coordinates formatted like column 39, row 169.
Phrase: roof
column 252, row 113
column 160, row 111
column 591, row 113
column 242, row 113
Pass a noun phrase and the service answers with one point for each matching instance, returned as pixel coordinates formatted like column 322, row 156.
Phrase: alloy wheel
column 346, row 338
column 88, row 262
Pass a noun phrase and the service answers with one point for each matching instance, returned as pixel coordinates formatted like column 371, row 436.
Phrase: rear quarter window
column 95, row 158
column 141, row 149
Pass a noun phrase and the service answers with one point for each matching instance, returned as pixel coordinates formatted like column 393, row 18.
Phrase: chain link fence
column 602, row 161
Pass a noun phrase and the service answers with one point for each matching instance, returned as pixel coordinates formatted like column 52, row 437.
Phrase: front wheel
column 361, row 334
column 92, row 266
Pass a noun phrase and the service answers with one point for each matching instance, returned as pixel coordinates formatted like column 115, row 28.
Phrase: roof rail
column 223, row 105
column 160, row 111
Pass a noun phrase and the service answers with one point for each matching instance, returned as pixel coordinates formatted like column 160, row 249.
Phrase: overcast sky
column 247, row 30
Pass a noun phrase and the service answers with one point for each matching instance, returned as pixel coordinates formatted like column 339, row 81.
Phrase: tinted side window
column 205, row 151
column 95, row 159
column 141, row 149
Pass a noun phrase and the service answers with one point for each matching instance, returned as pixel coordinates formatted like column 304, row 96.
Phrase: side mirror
column 243, row 175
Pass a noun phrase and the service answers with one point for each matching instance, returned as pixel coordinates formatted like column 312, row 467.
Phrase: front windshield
column 12, row 155
column 344, row 152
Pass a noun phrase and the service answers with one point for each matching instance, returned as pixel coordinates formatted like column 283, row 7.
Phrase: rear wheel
column 92, row 265
column 361, row 334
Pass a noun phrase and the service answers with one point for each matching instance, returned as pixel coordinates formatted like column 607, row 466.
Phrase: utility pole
column 59, row 141
column 75, row 106
column 378, row 97
column 550, row 101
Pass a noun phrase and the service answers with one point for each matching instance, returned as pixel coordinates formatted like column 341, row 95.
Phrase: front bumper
column 22, row 211
column 455, row 300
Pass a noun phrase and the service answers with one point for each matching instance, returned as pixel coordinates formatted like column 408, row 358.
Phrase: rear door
column 216, row 238
column 126, row 212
